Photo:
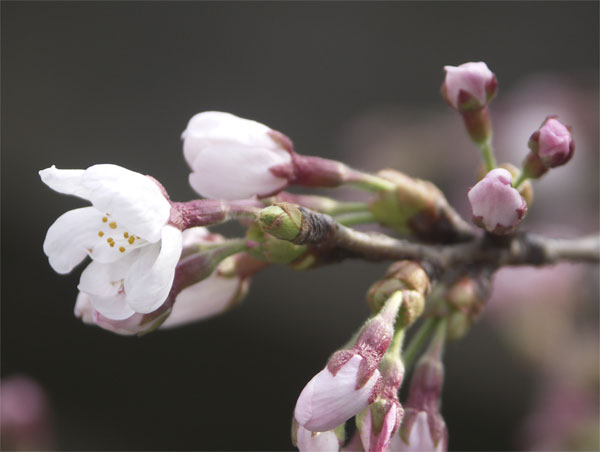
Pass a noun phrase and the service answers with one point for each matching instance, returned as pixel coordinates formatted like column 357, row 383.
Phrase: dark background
column 86, row 83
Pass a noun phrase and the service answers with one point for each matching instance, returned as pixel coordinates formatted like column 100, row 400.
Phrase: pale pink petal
column 308, row 441
column 469, row 77
column 237, row 172
column 495, row 201
column 419, row 439
column 203, row 299
column 328, row 401
column 224, row 129
column 150, row 278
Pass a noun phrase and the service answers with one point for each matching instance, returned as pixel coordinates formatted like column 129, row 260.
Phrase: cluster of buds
column 423, row 428
column 496, row 200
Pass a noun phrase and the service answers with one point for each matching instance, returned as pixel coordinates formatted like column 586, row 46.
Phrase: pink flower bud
column 331, row 398
column 418, row 438
column 25, row 415
column 497, row 206
column 551, row 145
column 231, row 157
column 469, row 86
column 377, row 435
column 307, row 441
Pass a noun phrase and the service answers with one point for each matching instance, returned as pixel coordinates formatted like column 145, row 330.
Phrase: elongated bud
column 414, row 207
column 466, row 297
column 411, row 280
column 350, row 381
column 423, row 427
column 551, row 145
column 497, row 206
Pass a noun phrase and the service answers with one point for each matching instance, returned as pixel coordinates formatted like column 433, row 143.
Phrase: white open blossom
column 126, row 232
column 231, row 157
column 196, row 302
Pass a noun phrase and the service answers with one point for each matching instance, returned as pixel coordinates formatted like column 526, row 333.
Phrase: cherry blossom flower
column 232, row 158
column 126, row 232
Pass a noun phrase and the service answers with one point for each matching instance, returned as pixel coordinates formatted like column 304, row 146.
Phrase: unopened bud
column 469, row 86
column 308, row 441
column 282, row 220
column 525, row 189
column 411, row 280
column 271, row 249
column 377, row 424
column 497, row 206
column 551, row 145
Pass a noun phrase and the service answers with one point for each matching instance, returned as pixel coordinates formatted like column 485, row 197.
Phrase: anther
column 113, row 225
column 131, row 240
column 104, row 220
column 100, row 233
column 125, row 234
column 122, row 249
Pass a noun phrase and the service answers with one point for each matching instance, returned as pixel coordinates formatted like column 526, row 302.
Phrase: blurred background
column 86, row 83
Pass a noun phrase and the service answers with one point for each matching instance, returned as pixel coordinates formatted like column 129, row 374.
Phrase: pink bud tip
column 329, row 400
column 469, row 86
column 497, row 206
column 555, row 144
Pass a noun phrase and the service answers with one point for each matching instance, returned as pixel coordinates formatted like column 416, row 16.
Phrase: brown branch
column 519, row 249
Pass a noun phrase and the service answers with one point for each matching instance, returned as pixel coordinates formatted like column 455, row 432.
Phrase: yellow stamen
column 100, row 233
column 104, row 220
column 112, row 225
column 131, row 240
column 112, row 244
column 122, row 249
column 125, row 234
column 110, row 240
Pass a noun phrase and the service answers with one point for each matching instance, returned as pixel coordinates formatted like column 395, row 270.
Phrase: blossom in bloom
column 203, row 299
column 469, row 86
column 419, row 438
column 497, row 206
column 126, row 232
column 330, row 399
column 233, row 158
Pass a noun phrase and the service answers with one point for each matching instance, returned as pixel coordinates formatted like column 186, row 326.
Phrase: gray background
column 86, row 83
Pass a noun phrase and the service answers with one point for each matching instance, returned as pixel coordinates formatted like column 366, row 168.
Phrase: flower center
column 118, row 238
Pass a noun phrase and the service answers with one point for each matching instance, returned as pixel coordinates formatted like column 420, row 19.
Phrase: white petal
column 72, row 237
column 194, row 236
column 68, row 182
column 203, row 299
column 133, row 200
column 84, row 309
column 149, row 281
column 419, row 438
column 236, row 172
column 328, row 401
column 215, row 127
column 113, row 308
column 104, row 280
column 317, row 442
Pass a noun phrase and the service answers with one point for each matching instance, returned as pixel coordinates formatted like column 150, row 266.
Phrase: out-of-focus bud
column 415, row 207
column 231, row 157
column 307, row 441
column 25, row 417
column 419, row 438
column 350, row 381
column 378, row 423
column 269, row 248
column 423, row 428
column 410, row 278
column 469, row 86
column 551, row 145
column 466, row 298
column 497, row 206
